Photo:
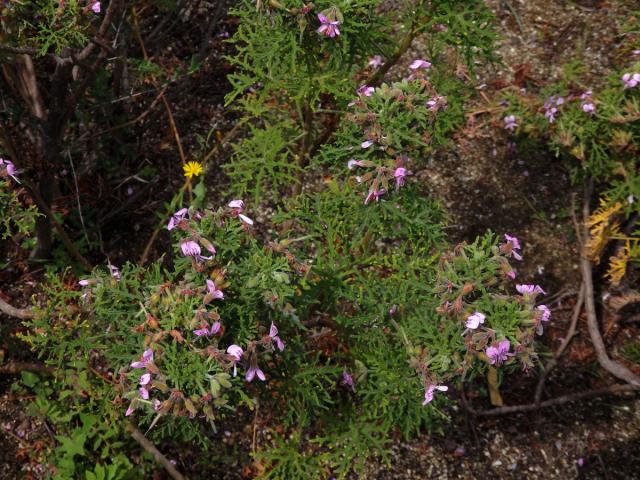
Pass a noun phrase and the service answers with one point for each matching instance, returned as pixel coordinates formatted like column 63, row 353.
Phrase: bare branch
column 573, row 397
column 139, row 437
column 22, row 313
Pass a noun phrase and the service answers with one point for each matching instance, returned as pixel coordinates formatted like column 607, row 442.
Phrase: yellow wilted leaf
column 602, row 228
column 578, row 152
column 618, row 264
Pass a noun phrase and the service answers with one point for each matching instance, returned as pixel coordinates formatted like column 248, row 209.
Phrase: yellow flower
column 192, row 169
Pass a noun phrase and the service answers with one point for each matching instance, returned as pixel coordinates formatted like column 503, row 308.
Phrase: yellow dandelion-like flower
column 192, row 169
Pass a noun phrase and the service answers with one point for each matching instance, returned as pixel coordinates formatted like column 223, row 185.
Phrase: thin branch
column 145, row 443
column 614, row 368
column 135, row 120
column 573, row 397
column 22, row 313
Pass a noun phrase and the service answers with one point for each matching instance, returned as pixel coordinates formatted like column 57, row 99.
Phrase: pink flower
column 399, row 175
column 474, row 321
column 176, row 218
column 365, row 90
column 211, row 288
column 511, row 274
column 589, row 108
column 375, row 195
column 204, row 332
column 511, row 247
column 9, row 169
column 328, row 28
column 236, row 352
column 95, row 7
column 130, row 410
column 252, row 372
column 437, row 103
column 144, row 393
column 630, row 80
column 145, row 379
column 245, row 219
column 429, row 391
column 499, row 354
column 190, row 248
column 147, row 357
column 236, row 204
column 530, row 289
column 347, row 381
column 544, row 317
column 83, row 283
column 510, row 123
column 115, row 271
column 375, row 61
column 367, row 144
column 419, row 64
column 352, row 163
column 273, row 333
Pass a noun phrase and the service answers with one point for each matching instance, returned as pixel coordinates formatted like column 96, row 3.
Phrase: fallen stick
column 530, row 407
column 22, row 313
column 145, row 443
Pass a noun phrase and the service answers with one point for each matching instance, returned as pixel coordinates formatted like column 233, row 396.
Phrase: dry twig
column 145, row 443
column 22, row 313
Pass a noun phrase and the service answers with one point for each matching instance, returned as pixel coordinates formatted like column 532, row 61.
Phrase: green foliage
column 15, row 217
column 48, row 26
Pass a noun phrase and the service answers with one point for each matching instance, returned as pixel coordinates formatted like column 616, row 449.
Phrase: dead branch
column 530, row 407
column 614, row 368
column 22, row 313
column 145, row 443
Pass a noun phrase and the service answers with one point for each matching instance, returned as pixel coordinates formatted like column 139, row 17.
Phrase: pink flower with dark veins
column 211, row 288
column 419, row 63
column 430, row 390
column 147, row 357
column 365, row 90
column 511, row 246
column 176, row 218
column 530, row 289
column 375, row 195
column 630, row 80
column 204, row 332
column 190, row 248
column 499, row 354
column 9, row 169
column 236, row 352
column 399, row 175
column 474, row 321
column 273, row 333
column 375, row 61
column 252, row 372
column 544, row 316
column 328, row 28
